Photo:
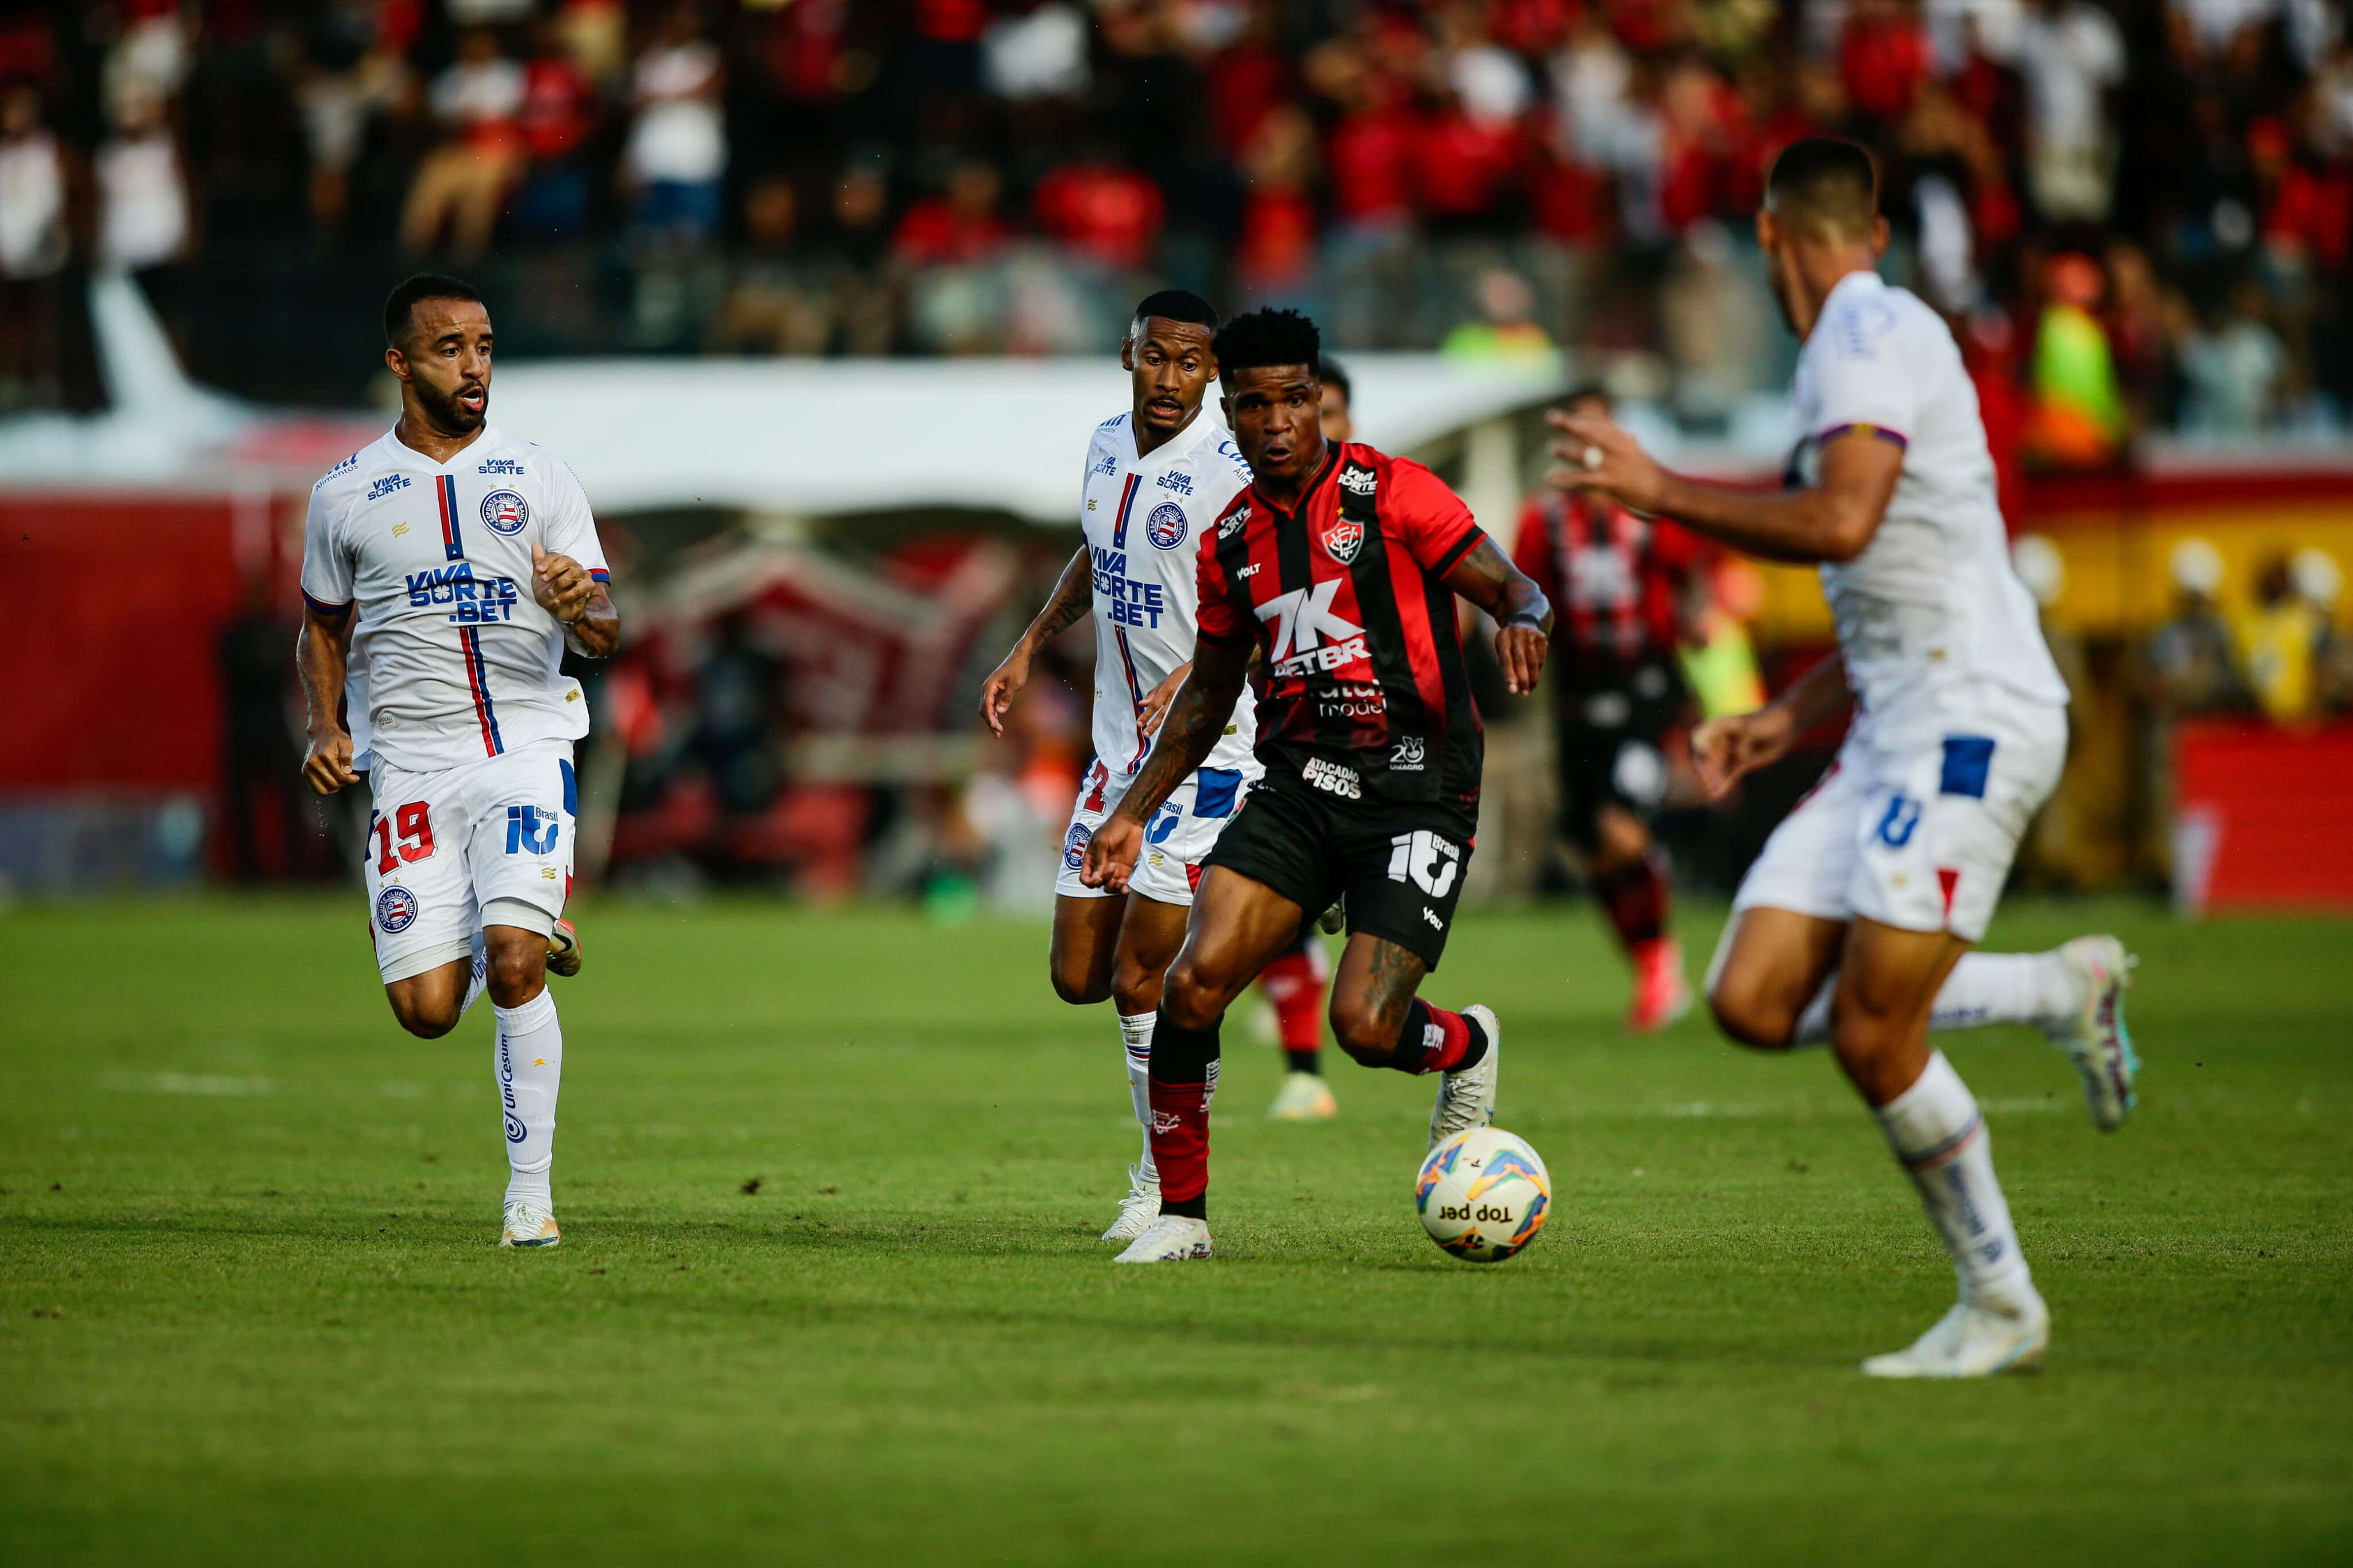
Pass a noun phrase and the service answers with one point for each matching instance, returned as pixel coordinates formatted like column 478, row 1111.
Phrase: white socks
column 530, row 1062
column 1935, row 1130
column 1983, row 988
column 1136, row 1033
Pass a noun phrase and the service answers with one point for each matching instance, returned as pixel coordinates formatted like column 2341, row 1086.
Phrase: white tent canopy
column 814, row 438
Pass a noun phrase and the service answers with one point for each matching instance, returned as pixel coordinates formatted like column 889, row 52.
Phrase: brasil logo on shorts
column 1166, row 527
column 396, row 908
column 1074, row 845
column 505, row 512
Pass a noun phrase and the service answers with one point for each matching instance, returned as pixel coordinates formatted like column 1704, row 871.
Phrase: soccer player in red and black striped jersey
column 1622, row 584
column 1338, row 567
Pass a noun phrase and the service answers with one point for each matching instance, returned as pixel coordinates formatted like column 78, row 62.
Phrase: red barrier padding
column 2262, row 816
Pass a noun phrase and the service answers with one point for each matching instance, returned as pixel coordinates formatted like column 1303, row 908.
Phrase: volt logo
column 1428, row 860
column 1304, row 620
column 530, row 830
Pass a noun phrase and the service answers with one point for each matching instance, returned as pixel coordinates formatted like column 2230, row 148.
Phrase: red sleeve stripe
column 1882, row 431
column 599, row 575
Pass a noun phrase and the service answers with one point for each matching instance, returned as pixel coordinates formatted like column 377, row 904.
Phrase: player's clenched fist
column 327, row 764
column 1112, row 852
column 1725, row 749
column 560, row 585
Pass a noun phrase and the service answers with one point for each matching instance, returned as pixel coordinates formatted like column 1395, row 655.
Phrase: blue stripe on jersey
column 571, row 787
column 1126, row 504
column 444, row 490
column 1135, row 696
column 478, row 676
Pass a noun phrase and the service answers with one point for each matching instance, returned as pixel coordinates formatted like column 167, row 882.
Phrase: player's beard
column 446, row 413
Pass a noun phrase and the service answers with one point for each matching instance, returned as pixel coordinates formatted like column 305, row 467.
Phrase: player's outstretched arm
column 1073, row 597
column 1725, row 750
column 322, row 651
column 1196, row 718
column 1833, row 521
column 1523, row 615
column 592, row 625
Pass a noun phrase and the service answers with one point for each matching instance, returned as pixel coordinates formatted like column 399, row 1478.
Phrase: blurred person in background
column 1626, row 591
column 2072, row 55
column 776, row 300
column 677, row 152
column 455, row 198
column 1334, row 412
column 865, row 293
column 351, row 68
column 38, row 176
column 1101, row 211
column 2189, row 665
column 1506, row 326
column 558, row 112
column 259, row 763
column 2233, row 367
column 146, row 218
column 2318, row 582
column 2278, row 638
column 2078, row 417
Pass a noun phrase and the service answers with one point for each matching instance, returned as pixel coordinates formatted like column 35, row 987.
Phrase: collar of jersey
column 475, row 448
column 1175, row 446
column 1331, row 466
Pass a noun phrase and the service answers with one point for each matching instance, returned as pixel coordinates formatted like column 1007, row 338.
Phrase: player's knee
column 1136, row 989
column 427, row 1019
column 1191, row 999
column 1369, row 1037
column 1748, row 1015
column 517, row 971
column 1075, row 985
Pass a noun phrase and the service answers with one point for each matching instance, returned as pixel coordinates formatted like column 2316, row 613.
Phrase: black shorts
column 1399, row 865
column 1613, row 744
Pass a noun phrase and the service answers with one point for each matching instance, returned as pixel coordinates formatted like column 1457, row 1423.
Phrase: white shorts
column 485, row 843
column 1174, row 841
column 1919, row 838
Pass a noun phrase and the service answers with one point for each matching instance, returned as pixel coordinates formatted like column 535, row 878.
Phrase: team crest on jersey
column 1074, row 845
column 1343, row 540
column 396, row 909
column 505, row 512
column 1166, row 527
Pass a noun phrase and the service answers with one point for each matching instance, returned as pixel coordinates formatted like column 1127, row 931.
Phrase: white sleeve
column 326, row 570
column 571, row 526
column 1860, row 380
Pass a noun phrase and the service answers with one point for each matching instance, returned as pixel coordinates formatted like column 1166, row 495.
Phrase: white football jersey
column 1142, row 518
column 1932, row 603
column 452, row 660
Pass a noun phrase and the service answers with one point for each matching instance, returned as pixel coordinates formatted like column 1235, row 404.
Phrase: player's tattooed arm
column 322, row 652
column 1073, row 598
column 1486, row 577
column 1196, row 718
column 563, row 587
column 1833, row 520
column 1724, row 750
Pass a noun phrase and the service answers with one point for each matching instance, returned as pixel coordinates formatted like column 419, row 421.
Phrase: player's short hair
column 1172, row 305
column 406, row 294
column 1331, row 373
column 1590, row 391
column 1258, row 337
column 1827, row 183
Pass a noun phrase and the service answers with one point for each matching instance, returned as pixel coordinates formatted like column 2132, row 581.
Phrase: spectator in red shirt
column 1100, row 210
column 960, row 228
column 1882, row 55
column 559, row 109
column 1275, row 252
column 462, row 182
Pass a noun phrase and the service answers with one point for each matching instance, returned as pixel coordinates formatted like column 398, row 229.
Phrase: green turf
column 250, row 1313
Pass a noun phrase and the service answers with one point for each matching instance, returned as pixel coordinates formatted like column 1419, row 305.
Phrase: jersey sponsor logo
column 512, row 468
column 1356, row 481
column 344, row 467
column 1900, row 820
column 1352, row 699
column 396, row 908
column 387, row 483
column 515, row 1131
column 1172, row 480
column 1234, row 523
column 1334, row 778
column 1406, row 756
column 1122, row 599
column 505, row 514
column 1428, row 860
column 1166, row 526
column 470, row 601
column 1308, row 634
column 1106, row 464
column 532, row 832
column 1248, row 571
column 1074, row 843
column 1343, row 540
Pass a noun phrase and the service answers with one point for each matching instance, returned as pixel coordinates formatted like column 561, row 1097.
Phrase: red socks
column 1180, row 1143
column 1635, row 899
column 1435, row 1040
column 1294, row 985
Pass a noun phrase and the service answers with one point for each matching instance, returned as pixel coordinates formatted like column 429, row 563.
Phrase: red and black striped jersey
column 1615, row 580
column 1345, row 598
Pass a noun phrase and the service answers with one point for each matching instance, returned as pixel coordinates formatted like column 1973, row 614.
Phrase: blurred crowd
column 2281, row 655
column 2137, row 215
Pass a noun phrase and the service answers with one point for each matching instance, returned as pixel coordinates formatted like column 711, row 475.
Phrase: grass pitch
column 831, row 1289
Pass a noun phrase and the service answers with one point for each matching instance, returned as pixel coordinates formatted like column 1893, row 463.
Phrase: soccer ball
column 1483, row 1195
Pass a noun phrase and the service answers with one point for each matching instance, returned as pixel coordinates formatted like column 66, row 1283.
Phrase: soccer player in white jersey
column 1155, row 476
column 1857, row 920
column 445, row 570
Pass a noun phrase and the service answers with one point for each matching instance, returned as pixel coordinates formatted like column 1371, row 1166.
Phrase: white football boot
column 1467, row 1099
column 1138, row 1209
column 2095, row 1038
column 1173, row 1238
column 529, row 1225
column 1972, row 1342
column 1304, row 1096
